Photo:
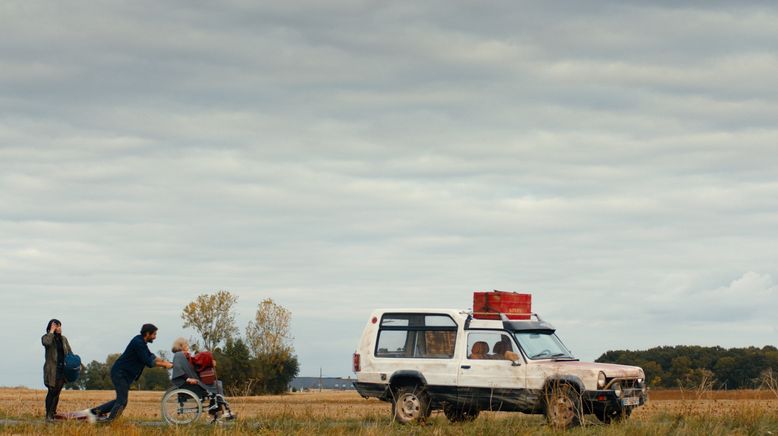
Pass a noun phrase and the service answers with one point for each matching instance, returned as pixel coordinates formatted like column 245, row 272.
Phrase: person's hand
column 53, row 328
column 191, row 381
column 167, row 364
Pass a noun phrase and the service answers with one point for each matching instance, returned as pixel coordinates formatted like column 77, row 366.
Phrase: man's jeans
column 121, row 382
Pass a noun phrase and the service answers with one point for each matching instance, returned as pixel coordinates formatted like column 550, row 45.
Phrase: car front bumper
column 607, row 399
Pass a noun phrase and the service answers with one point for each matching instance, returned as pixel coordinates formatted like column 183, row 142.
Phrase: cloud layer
column 616, row 159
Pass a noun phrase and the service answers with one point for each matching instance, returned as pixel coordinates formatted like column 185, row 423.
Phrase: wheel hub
column 410, row 406
column 562, row 409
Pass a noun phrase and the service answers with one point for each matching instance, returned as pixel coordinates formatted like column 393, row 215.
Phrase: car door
column 487, row 378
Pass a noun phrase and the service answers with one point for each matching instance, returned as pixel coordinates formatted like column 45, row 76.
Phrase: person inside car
column 480, row 350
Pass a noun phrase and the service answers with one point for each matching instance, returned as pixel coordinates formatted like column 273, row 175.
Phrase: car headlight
column 601, row 380
column 616, row 388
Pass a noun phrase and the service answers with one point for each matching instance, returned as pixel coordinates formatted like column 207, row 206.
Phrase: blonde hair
column 178, row 345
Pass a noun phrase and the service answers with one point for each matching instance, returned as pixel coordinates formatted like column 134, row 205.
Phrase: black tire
column 458, row 413
column 410, row 404
column 610, row 416
column 563, row 407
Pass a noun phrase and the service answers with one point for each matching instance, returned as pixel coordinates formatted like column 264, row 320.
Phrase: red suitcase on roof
column 489, row 305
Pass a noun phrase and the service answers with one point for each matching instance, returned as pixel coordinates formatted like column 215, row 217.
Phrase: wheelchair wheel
column 181, row 406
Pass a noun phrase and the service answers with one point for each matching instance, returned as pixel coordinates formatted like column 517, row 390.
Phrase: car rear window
column 422, row 336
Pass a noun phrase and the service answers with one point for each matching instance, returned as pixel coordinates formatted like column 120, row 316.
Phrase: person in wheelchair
column 185, row 376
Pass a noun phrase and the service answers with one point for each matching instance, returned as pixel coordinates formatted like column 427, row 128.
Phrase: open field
column 668, row 412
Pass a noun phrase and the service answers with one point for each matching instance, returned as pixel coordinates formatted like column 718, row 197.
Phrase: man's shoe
column 89, row 415
column 103, row 419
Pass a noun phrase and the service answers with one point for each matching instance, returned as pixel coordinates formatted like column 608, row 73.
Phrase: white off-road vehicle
column 422, row 360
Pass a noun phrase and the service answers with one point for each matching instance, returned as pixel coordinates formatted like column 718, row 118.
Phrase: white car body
column 399, row 349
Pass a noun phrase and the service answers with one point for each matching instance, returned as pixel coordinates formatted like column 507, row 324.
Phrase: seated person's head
column 498, row 349
column 180, row 344
column 479, row 350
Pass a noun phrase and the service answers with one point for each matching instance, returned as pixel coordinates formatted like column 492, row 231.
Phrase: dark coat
column 50, row 364
column 135, row 357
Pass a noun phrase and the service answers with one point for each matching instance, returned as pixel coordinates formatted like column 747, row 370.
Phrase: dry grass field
column 668, row 412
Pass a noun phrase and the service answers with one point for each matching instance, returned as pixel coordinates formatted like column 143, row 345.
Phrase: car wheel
column 409, row 404
column 458, row 413
column 563, row 407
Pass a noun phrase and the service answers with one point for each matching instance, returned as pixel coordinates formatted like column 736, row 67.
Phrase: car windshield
column 542, row 345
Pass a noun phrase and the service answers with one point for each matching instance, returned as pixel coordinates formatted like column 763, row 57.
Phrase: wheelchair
column 182, row 406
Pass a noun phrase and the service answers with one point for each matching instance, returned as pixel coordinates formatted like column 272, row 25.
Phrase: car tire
column 563, row 407
column 410, row 404
column 458, row 413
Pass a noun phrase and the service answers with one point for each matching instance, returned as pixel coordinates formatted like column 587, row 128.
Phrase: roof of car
column 458, row 314
column 461, row 315
column 420, row 310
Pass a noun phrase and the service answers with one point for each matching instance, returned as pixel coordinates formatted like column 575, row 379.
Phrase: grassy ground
column 668, row 412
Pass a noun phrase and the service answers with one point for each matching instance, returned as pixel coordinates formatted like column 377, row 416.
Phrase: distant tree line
column 261, row 363
column 693, row 366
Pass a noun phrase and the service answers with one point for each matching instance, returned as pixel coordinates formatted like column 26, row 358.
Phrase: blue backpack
column 72, row 367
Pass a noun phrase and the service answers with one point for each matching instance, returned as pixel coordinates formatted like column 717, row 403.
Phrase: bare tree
column 769, row 381
column 212, row 317
column 269, row 332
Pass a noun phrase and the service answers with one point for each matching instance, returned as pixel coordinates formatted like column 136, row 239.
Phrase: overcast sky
column 617, row 159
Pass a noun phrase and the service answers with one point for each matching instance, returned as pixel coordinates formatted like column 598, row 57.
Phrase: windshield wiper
column 542, row 353
column 562, row 356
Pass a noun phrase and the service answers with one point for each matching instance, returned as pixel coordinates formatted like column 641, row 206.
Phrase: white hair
column 178, row 345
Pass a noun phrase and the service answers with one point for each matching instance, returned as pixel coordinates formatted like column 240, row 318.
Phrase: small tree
column 212, row 317
column 95, row 375
column 274, row 365
column 276, row 371
column 235, row 367
column 269, row 332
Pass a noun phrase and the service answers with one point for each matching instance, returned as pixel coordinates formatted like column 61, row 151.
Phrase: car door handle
column 465, row 366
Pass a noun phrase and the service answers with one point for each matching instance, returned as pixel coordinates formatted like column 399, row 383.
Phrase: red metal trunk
column 489, row 305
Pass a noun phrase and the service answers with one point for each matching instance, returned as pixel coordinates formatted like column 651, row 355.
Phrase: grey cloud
column 615, row 158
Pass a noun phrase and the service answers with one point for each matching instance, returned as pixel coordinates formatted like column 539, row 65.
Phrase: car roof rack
column 514, row 324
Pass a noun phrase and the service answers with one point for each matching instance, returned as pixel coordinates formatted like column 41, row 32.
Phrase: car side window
column 423, row 336
column 490, row 346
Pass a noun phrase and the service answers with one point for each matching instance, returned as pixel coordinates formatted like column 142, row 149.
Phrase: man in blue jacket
column 126, row 370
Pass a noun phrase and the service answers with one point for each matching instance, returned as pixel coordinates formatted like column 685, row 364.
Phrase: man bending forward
column 128, row 369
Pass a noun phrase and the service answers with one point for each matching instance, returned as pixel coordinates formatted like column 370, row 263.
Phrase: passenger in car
column 503, row 350
column 479, row 350
column 498, row 351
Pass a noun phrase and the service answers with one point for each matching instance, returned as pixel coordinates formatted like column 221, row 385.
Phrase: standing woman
column 57, row 347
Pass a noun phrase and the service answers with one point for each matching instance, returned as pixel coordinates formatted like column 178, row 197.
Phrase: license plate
column 631, row 401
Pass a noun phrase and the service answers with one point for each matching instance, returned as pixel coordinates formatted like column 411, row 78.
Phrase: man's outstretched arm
column 158, row 361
